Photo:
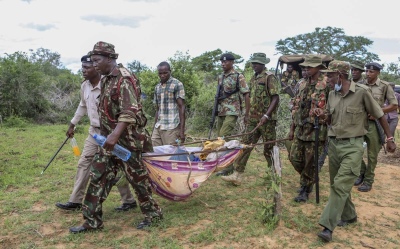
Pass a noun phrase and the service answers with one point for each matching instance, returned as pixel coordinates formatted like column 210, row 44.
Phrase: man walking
column 381, row 91
column 233, row 87
column 169, row 98
column 265, row 90
column 346, row 112
column 123, row 122
column 312, row 94
column 90, row 90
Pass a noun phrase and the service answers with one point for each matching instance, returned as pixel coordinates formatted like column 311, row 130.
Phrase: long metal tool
column 55, row 155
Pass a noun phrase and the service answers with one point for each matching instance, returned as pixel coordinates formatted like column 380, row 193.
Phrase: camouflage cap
column 312, row 60
column 336, row 66
column 259, row 58
column 105, row 49
column 359, row 65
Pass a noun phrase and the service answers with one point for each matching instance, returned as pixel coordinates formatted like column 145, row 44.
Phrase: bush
column 15, row 122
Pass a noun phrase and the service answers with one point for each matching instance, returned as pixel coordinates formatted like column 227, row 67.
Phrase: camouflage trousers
column 302, row 157
column 267, row 132
column 103, row 171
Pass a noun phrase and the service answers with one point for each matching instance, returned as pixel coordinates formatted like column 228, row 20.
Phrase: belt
column 344, row 139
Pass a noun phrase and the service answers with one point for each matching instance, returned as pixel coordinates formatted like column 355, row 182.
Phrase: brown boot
column 235, row 178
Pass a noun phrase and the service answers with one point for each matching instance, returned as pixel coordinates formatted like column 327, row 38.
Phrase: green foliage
column 148, row 80
column 15, row 121
column 183, row 70
column 136, row 66
column 331, row 41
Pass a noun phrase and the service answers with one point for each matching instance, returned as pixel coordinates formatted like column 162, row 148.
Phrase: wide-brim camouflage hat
column 259, row 58
column 105, row 49
column 337, row 67
column 358, row 64
column 312, row 60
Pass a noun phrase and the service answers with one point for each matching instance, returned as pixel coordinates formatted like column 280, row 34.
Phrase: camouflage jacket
column 290, row 78
column 261, row 92
column 311, row 95
column 120, row 102
column 228, row 82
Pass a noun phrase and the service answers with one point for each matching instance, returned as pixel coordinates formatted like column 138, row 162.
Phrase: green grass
column 218, row 215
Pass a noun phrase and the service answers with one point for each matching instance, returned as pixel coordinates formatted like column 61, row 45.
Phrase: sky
column 152, row 31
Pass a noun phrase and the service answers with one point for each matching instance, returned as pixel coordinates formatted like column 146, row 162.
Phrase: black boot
column 225, row 172
column 359, row 180
column 303, row 195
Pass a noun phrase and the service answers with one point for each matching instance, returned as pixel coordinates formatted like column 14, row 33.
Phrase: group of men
column 110, row 96
column 346, row 113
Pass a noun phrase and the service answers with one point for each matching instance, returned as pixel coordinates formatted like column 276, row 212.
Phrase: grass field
column 218, row 215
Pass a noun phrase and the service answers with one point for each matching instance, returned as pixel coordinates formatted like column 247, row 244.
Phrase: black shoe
column 343, row 223
column 69, row 206
column 82, row 229
column 148, row 222
column 359, row 180
column 303, row 195
column 364, row 188
column 225, row 172
column 325, row 235
column 126, row 206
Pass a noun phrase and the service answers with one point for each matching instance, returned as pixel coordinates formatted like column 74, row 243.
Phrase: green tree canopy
column 331, row 41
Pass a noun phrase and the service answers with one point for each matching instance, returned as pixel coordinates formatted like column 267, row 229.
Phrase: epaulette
column 385, row 82
column 125, row 72
column 363, row 86
column 268, row 73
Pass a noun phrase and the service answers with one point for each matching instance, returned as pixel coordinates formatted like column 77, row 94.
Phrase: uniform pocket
column 352, row 115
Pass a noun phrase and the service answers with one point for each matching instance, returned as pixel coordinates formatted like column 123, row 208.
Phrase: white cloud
column 151, row 31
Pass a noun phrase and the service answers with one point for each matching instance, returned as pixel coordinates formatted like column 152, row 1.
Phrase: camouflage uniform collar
column 114, row 72
column 232, row 71
column 320, row 78
column 263, row 72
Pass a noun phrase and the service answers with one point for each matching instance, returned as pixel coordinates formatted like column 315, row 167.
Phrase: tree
column 136, row 66
column 331, row 41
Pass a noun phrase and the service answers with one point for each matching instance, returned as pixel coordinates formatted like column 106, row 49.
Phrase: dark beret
column 227, row 57
column 373, row 66
column 86, row 58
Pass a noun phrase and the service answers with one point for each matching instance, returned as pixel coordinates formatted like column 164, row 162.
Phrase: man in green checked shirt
column 169, row 97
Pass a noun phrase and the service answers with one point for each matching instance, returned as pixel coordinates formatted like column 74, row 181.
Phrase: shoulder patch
column 385, row 82
column 268, row 73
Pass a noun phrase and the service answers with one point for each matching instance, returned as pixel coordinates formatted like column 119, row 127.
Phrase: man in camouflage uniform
column 263, row 114
column 122, row 121
column 290, row 77
column 381, row 91
column 346, row 112
column 357, row 68
column 232, row 87
column 313, row 93
column 90, row 91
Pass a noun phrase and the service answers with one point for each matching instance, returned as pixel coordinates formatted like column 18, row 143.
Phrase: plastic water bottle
column 118, row 151
column 75, row 147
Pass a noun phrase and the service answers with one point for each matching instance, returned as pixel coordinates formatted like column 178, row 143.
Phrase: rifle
column 287, row 89
column 215, row 108
column 322, row 157
column 381, row 134
column 54, row 155
column 316, row 127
